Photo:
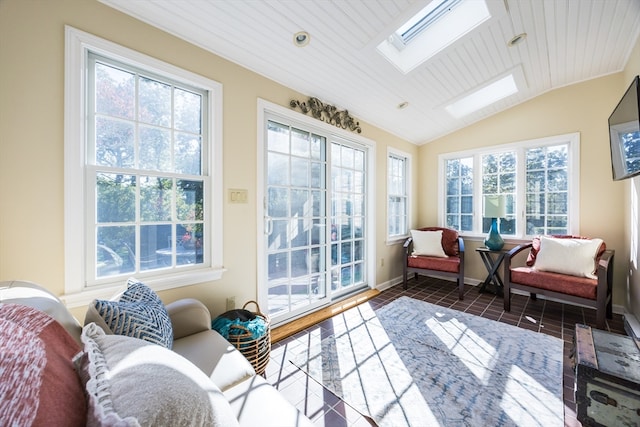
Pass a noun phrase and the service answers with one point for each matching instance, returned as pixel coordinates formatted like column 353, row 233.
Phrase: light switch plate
column 237, row 195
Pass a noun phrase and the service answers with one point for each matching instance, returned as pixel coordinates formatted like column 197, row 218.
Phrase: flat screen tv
column 624, row 134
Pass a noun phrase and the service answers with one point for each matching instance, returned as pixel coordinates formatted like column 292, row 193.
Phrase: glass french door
column 314, row 213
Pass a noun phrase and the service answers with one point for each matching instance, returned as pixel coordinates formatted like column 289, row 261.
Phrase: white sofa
column 253, row 401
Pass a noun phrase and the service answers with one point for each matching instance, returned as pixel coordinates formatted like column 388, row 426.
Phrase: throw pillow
column 138, row 313
column 535, row 246
column 428, row 243
column 38, row 383
column 131, row 382
column 576, row 257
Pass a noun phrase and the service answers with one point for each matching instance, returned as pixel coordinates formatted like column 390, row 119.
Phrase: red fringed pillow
column 38, row 383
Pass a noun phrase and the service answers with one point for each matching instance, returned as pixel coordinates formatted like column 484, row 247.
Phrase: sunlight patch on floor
column 362, row 352
column 476, row 354
column 527, row 402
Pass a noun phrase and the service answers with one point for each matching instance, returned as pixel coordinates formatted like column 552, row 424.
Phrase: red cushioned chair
column 451, row 266
column 590, row 292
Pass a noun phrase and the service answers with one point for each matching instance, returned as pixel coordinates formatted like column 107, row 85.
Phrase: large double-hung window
column 142, row 170
column 538, row 180
column 145, row 171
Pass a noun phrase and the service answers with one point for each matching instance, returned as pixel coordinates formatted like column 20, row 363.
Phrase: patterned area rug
column 411, row 363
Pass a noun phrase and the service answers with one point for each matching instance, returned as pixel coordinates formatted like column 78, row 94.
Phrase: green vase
column 493, row 240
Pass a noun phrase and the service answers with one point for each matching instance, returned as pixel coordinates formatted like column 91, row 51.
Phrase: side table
column 492, row 261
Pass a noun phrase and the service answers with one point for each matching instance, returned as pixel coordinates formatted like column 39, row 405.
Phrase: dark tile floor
column 547, row 317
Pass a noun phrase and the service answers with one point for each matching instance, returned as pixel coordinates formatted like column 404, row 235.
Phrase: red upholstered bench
column 432, row 257
column 564, row 272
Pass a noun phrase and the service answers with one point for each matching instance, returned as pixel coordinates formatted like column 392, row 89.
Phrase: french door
column 314, row 218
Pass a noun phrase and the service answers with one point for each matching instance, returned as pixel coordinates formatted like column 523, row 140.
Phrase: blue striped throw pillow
column 139, row 313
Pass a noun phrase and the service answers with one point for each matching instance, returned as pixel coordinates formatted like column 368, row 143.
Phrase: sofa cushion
column 428, row 243
column 216, row 357
column 134, row 382
column 576, row 257
column 138, row 313
column 38, row 382
column 583, row 287
column 451, row 264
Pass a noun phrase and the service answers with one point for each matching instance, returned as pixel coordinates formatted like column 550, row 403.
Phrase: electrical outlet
column 381, row 262
column 231, row 303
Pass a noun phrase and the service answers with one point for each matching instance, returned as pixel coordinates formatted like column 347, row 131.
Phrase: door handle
column 268, row 229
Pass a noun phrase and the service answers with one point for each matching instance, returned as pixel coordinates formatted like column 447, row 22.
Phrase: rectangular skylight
column 434, row 28
column 421, row 21
column 488, row 94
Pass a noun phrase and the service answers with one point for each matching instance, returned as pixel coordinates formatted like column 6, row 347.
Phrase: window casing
column 398, row 190
column 539, row 179
column 142, row 171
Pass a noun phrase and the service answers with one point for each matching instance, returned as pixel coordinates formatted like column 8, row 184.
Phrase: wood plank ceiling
column 568, row 41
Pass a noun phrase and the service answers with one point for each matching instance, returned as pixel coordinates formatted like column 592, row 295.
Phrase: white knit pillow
column 428, row 243
column 131, row 382
column 576, row 257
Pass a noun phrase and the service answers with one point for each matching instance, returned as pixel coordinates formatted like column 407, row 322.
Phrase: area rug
column 411, row 363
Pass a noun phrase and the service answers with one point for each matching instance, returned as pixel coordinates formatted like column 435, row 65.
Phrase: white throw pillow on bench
column 428, row 243
column 576, row 257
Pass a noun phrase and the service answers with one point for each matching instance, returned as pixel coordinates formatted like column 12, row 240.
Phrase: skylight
column 421, row 21
column 435, row 27
column 488, row 94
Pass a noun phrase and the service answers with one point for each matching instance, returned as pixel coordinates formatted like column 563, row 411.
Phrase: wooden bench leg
column 600, row 319
column 404, row 279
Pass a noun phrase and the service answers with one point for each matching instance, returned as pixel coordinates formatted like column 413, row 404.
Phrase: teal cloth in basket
column 222, row 325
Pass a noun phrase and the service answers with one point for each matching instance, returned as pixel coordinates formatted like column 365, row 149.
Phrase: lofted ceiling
column 568, row 41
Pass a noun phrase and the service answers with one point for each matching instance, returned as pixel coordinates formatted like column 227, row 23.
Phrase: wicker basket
column 256, row 350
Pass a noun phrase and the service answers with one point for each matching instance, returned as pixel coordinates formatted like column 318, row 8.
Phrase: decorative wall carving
column 327, row 113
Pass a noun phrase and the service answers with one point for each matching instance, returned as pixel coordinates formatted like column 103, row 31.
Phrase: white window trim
column 77, row 43
column 266, row 108
column 391, row 240
column 573, row 139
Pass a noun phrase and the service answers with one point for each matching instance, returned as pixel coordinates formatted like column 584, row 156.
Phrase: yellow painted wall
column 31, row 144
column 584, row 108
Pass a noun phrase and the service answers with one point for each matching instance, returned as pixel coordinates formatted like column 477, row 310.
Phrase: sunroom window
column 538, row 179
column 143, row 171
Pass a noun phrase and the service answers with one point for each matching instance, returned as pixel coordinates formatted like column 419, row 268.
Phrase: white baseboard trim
column 388, row 284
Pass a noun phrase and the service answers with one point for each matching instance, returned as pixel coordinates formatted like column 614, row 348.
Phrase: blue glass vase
column 493, row 240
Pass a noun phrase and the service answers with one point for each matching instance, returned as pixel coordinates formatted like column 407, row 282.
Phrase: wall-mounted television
column 624, row 134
